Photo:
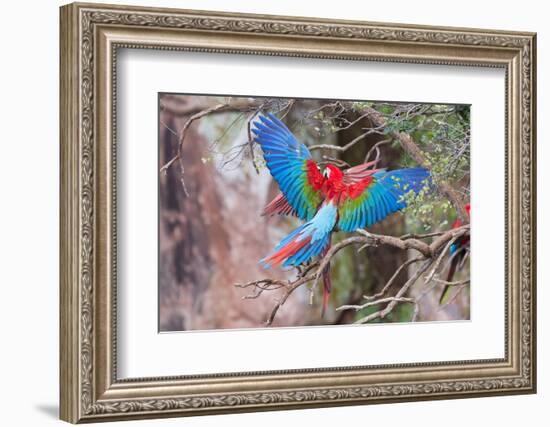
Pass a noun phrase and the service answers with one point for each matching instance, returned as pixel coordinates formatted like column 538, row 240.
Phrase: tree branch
column 273, row 284
column 414, row 151
column 380, row 314
column 392, row 279
column 348, row 145
column 235, row 106
column 433, row 257
column 430, row 253
column 184, row 129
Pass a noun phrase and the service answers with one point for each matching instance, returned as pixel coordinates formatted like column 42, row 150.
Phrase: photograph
column 293, row 212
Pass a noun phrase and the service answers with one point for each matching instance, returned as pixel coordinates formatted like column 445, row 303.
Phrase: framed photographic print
column 265, row 212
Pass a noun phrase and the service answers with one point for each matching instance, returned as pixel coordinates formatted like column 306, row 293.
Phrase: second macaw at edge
column 457, row 252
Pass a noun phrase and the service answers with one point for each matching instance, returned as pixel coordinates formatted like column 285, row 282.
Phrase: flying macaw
column 327, row 199
column 457, row 251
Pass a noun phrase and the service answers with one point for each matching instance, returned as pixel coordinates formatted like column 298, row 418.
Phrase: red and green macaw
column 327, row 199
column 457, row 252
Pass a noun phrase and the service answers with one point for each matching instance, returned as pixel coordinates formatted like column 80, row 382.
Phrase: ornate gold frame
column 90, row 35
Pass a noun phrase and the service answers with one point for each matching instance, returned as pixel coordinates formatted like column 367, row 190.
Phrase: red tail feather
column 286, row 251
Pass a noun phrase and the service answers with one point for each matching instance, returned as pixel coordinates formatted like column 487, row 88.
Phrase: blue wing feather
column 286, row 159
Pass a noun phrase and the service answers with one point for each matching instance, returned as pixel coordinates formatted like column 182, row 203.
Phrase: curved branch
column 280, row 303
column 392, row 279
column 185, row 127
column 235, row 106
column 349, row 144
column 380, row 314
column 437, row 251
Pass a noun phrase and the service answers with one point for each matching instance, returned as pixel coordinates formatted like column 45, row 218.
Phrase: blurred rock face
column 213, row 239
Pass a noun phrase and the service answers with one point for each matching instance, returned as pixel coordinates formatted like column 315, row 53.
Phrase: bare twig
column 188, row 123
column 350, row 124
column 421, row 236
column 295, row 285
column 238, row 106
column 376, row 147
column 172, row 131
column 259, row 286
column 380, row 314
column 348, row 145
column 392, row 279
column 165, row 168
column 288, row 108
column 432, row 281
column 453, row 297
column 377, row 302
column 379, row 239
column 438, row 260
column 455, row 283
column 251, row 139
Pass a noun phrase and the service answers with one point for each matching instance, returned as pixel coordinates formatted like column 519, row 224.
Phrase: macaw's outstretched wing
column 280, row 206
column 379, row 195
column 290, row 163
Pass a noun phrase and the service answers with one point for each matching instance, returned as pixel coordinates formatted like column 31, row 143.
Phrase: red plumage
column 354, row 180
column 337, row 184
